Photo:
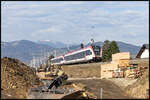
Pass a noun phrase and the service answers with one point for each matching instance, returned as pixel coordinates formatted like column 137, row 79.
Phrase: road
column 110, row 89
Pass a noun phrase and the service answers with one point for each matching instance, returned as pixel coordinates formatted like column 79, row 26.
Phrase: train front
column 97, row 52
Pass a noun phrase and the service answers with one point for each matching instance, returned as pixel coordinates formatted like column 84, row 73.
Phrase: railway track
column 82, row 64
column 135, row 60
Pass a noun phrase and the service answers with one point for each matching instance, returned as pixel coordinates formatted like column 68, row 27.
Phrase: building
column 144, row 51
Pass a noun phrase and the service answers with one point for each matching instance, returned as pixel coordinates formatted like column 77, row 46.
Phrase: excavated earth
column 16, row 79
column 141, row 85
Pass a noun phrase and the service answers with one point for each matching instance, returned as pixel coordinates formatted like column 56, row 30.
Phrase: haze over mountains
column 24, row 50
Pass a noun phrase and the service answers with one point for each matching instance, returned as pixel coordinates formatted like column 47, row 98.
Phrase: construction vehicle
column 50, row 74
column 54, row 73
column 50, row 88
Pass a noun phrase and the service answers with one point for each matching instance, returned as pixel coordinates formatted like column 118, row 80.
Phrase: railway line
column 87, row 63
column 131, row 61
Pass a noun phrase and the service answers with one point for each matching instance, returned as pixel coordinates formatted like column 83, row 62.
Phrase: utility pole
column 30, row 63
column 33, row 61
column 44, row 62
column 92, row 38
column 55, row 53
column 40, row 60
column 101, row 93
column 48, row 54
column 68, row 47
column 92, row 35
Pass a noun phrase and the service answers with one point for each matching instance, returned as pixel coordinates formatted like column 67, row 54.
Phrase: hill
column 23, row 50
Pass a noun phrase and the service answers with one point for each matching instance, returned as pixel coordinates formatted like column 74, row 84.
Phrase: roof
column 146, row 46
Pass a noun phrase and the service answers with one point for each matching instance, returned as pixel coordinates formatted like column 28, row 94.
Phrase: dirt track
column 110, row 90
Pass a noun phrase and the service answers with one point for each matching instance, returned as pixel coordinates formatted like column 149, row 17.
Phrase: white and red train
column 90, row 53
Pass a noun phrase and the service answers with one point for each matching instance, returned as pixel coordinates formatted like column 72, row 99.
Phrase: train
column 92, row 53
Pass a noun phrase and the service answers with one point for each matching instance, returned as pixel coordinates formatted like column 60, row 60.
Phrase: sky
column 74, row 22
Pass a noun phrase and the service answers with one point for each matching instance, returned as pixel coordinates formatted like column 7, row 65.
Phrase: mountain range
column 56, row 44
column 24, row 50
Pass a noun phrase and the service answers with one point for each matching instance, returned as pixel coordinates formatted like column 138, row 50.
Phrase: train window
column 78, row 55
column 71, row 57
column 81, row 54
column 96, row 50
column 75, row 56
column 68, row 58
column 88, row 52
column 57, row 60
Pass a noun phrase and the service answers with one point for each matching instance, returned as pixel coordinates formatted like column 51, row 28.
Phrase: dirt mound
column 16, row 78
column 141, row 87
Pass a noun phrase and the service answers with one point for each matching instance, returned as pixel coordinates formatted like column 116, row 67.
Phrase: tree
column 114, row 47
column 49, row 60
column 109, row 48
column 50, row 57
column 81, row 45
column 106, row 52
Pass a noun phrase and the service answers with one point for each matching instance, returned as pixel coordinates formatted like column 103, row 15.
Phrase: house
column 144, row 51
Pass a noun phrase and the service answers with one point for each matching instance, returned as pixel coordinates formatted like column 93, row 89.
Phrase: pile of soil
column 16, row 78
column 141, row 85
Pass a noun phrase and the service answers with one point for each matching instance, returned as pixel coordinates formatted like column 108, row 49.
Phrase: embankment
column 83, row 70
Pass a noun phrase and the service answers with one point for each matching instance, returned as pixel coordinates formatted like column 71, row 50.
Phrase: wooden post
column 101, row 92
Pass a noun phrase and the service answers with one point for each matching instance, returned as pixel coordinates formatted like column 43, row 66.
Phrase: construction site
column 120, row 78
